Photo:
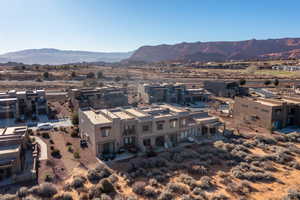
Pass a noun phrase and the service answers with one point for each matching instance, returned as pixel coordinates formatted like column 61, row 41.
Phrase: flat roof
column 96, row 118
column 267, row 103
column 8, row 99
column 123, row 115
column 291, row 101
column 135, row 112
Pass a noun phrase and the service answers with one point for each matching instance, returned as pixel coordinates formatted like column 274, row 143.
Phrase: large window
column 173, row 123
column 145, row 128
column 160, row 126
column 105, row 132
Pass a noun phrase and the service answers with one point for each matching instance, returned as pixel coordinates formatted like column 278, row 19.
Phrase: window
column 145, row 128
column 264, row 110
column 173, row 123
column 183, row 122
column 160, row 126
column 105, row 132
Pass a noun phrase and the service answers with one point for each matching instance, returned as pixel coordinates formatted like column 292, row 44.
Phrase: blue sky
column 125, row 25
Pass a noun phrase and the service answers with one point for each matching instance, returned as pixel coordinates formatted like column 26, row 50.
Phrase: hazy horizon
column 123, row 26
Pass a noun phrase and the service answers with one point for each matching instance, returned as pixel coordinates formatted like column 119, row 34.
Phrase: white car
column 45, row 127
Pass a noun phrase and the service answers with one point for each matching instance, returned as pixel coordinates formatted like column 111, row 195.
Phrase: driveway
column 43, row 146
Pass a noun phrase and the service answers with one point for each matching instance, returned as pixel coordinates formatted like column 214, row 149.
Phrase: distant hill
column 220, row 51
column 56, row 56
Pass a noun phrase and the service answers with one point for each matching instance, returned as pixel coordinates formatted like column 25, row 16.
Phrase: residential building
column 225, row 89
column 170, row 93
column 13, row 143
column 98, row 98
column 154, row 126
column 266, row 112
column 22, row 104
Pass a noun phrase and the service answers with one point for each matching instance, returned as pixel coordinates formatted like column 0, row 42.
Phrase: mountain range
column 56, row 56
column 285, row 48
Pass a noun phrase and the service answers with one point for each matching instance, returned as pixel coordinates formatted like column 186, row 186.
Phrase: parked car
column 45, row 127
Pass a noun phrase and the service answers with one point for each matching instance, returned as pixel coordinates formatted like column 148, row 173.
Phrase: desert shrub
column 74, row 134
column 251, row 173
column 139, row 187
column 188, row 180
column 294, row 164
column 226, row 147
column 166, row 195
column 197, row 191
column 151, row 192
column 205, row 182
column 84, row 197
column 94, row 191
column 51, row 141
column 219, row 197
column 8, row 197
column 113, row 178
column 178, row 188
column 64, row 196
column 264, row 139
column 153, row 182
column 45, row 190
column 222, row 174
column 293, row 137
column 267, row 165
column 280, row 138
column 292, row 195
column 70, row 149
column 197, row 169
column 78, row 182
column 105, row 197
column 100, row 172
column 106, row 186
column 22, row 192
column 242, row 188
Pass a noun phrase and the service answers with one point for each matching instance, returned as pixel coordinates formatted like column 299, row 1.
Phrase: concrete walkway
column 43, row 146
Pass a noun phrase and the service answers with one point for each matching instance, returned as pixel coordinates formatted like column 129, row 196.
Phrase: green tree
column 242, row 81
column 75, row 119
column 276, row 82
column 90, row 75
column 99, row 74
column 267, row 82
column 46, row 75
column 73, row 74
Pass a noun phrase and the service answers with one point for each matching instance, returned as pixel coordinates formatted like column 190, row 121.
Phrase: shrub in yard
column 68, row 144
column 51, row 141
column 45, row 135
column 48, row 178
column 22, row 192
column 74, row 134
column 178, row 188
column 166, row 195
column 70, row 149
column 56, row 153
column 153, row 182
column 45, row 190
column 76, row 155
column 78, row 182
column 197, row 191
column 106, row 186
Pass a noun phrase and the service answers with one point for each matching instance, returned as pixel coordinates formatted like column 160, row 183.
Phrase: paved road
column 43, row 146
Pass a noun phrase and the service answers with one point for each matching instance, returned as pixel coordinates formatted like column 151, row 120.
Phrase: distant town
column 164, row 130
